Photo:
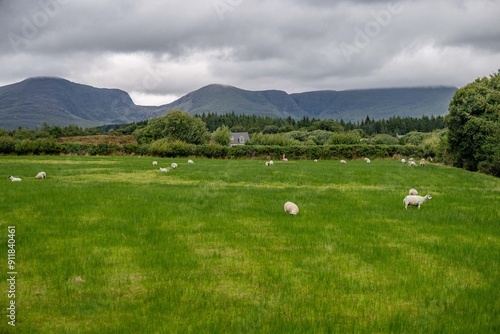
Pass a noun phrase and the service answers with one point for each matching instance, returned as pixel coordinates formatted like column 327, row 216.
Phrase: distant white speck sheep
column 368, row 161
column 163, row 170
column 41, row 176
column 291, row 208
column 155, row 163
column 190, row 161
column 415, row 200
column 403, row 161
column 15, row 179
column 412, row 163
column 413, row 192
column 315, row 160
column 422, row 163
column 343, row 161
column 173, row 165
column 269, row 163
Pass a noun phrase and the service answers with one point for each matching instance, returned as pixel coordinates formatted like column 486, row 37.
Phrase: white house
column 239, row 138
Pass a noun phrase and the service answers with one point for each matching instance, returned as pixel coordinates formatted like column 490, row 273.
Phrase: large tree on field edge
column 474, row 126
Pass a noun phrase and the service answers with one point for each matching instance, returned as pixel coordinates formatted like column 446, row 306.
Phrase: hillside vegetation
column 55, row 101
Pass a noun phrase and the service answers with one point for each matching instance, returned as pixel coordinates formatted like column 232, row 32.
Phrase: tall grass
column 208, row 248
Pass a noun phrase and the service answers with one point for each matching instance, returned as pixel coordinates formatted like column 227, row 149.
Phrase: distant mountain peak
column 58, row 101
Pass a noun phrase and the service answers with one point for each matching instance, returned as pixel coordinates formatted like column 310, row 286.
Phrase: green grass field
column 207, row 248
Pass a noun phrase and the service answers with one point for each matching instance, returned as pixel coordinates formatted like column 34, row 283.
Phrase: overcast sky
column 159, row 50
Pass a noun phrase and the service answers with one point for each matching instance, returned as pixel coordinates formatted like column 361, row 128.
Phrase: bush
column 7, row 145
column 165, row 148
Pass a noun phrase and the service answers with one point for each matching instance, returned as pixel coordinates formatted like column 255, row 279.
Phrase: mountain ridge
column 58, row 101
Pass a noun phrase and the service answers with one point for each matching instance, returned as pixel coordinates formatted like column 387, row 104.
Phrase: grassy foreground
column 207, row 248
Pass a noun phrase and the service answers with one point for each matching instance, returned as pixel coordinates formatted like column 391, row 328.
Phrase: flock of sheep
column 173, row 165
column 39, row 176
column 413, row 199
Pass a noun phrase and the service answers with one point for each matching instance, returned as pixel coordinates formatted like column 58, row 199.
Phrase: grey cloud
column 288, row 45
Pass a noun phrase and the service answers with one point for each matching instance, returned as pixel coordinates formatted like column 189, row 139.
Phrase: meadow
column 207, row 247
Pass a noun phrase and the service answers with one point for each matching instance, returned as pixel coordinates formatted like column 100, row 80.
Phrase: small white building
column 239, row 138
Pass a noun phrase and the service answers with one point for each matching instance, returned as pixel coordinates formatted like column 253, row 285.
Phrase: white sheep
column 163, row 170
column 403, row 160
column 412, row 163
column 269, row 163
column 41, row 176
column 343, row 161
column 368, row 161
column 15, row 179
column 173, row 165
column 413, row 192
column 315, row 160
column 415, row 200
column 291, row 208
column 422, row 163
column 190, row 161
column 155, row 163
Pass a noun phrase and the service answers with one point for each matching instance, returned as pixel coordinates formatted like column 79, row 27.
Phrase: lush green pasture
column 207, row 248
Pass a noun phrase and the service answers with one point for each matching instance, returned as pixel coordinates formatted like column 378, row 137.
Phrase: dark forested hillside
column 56, row 101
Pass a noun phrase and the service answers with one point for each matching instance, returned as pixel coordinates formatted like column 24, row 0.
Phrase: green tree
column 176, row 125
column 474, row 126
column 222, row 135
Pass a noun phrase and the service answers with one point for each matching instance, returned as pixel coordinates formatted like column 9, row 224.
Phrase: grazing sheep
column 291, row 208
column 412, row 163
column 315, row 160
column 415, row 200
column 271, row 162
column 403, row 161
column 190, row 161
column 155, row 163
column 368, row 161
column 41, row 176
column 413, row 192
column 343, row 161
column 163, row 170
column 15, row 179
column 173, row 165
column 268, row 164
column 422, row 163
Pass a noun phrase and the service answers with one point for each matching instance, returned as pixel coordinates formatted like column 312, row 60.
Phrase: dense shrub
column 165, row 148
column 7, row 145
column 212, row 151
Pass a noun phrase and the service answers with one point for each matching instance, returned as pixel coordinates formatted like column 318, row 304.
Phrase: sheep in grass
column 413, row 192
column 422, row 163
column 315, row 160
column 190, row 161
column 15, row 179
column 163, row 170
column 173, row 165
column 343, row 161
column 269, row 163
column 155, row 163
column 291, row 208
column 415, row 200
column 403, row 161
column 368, row 161
column 40, row 176
column 412, row 163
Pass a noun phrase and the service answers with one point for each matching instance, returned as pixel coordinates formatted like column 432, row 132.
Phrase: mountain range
column 57, row 101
